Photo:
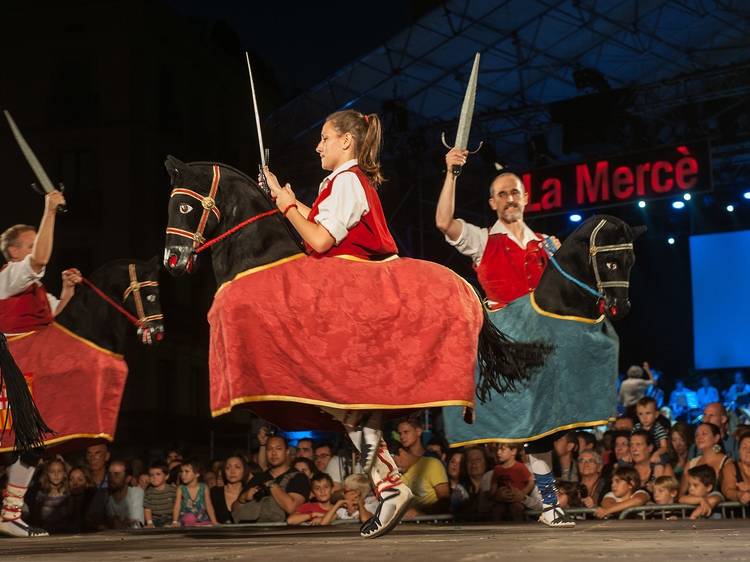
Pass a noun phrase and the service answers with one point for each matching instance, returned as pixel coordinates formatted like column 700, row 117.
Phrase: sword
column 33, row 161
column 467, row 112
column 264, row 152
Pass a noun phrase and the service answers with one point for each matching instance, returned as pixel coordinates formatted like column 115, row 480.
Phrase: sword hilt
column 62, row 208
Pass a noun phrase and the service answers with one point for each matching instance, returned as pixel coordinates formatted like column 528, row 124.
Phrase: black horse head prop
column 209, row 199
column 130, row 285
column 590, row 274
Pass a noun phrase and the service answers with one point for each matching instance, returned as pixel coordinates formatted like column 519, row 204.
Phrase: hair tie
column 366, row 118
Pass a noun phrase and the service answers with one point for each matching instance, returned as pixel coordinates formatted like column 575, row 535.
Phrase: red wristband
column 289, row 207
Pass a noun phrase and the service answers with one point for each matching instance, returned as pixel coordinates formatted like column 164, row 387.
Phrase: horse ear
column 174, row 167
column 638, row 231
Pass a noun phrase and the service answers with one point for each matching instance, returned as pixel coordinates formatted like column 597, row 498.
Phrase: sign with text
column 626, row 178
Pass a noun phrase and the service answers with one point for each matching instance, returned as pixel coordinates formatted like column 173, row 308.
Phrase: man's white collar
column 528, row 234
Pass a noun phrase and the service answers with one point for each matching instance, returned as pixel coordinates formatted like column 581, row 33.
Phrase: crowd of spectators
column 641, row 458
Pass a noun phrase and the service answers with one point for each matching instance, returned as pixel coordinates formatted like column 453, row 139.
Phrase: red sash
column 370, row 236
column 26, row 311
column 508, row 271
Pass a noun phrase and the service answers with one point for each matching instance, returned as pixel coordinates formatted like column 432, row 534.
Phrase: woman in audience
column 50, row 509
column 305, row 466
column 234, row 474
column 680, row 439
column 592, row 485
column 641, row 449
column 82, row 490
column 474, row 467
column 564, row 457
column 711, row 452
column 736, row 476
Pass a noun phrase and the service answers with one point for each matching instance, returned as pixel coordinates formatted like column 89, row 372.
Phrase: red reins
column 132, row 319
column 234, row 229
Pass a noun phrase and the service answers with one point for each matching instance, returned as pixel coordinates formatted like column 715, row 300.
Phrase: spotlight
column 670, row 241
column 730, row 208
column 575, row 217
column 642, row 204
column 687, row 197
column 678, row 205
column 746, row 195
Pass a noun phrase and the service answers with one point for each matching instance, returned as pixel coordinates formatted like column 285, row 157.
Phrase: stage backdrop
column 720, row 265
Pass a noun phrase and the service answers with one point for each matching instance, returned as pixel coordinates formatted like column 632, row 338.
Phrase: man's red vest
column 26, row 311
column 508, row 271
column 370, row 236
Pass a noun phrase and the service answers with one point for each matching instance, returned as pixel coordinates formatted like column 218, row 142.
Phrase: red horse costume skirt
column 301, row 333
column 76, row 385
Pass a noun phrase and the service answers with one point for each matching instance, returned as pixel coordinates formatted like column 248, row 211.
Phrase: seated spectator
column 593, row 486
column 641, row 451
column 437, row 448
column 321, row 511
column 682, row 401
column 410, row 435
column 736, row 476
column 681, row 439
column 275, row 494
column 455, row 469
column 159, row 497
column 234, row 476
column 739, row 392
column 716, row 414
column 511, row 483
column 217, row 467
column 621, row 448
column 192, row 504
column 82, row 490
column 50, row 508
column 586, row 441
column 708, row 442
column 645, row 409
column 626, row 493
column 707, row 393
column 634, row 387
column 305, row 466
column 702, row 491
column 97, row 457
column 359, row 503
column 143, row 481
column 666, row 490
column 124, row 508
column 568, row 494
column 565, row 452
column 210, row 479
column 173, row 458
column 327, row 462
column 427, row 479
column 623, row 423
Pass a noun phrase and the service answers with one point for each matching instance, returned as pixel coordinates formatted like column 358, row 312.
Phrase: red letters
column 588, row 192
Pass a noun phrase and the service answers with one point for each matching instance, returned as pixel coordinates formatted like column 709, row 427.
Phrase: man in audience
column 273, row 495
column 427, row 479
column 634, row 387
column 330, row 464
column 707, row 393
column 305, row 449
column 410, row 435
column 124, row 508
column 682, row 400
column 739, row 392
column 97, row 457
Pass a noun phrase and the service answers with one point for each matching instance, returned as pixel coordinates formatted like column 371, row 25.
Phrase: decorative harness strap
column 209, row 206
column 135, row 289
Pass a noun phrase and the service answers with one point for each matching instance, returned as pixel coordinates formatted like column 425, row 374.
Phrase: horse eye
column 151, row 298
column 185, row 208
column 612, row 266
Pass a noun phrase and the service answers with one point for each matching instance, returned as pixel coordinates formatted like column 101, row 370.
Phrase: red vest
column 26, row 311
column 370, row 236
column 508, row 271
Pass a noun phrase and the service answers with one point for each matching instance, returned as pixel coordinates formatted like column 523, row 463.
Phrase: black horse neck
column 89, row 316
column 259, row 243
column 559, row 295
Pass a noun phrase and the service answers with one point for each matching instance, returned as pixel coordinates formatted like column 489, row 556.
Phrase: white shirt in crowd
column 17, row 276
column 344, row 207
column 473, row 240
column 129, row 509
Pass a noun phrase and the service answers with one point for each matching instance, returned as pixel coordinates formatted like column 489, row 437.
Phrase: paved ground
column 726, row 540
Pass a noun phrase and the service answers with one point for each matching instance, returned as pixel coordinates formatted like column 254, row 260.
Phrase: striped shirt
column 160, row 502
column 657, row 431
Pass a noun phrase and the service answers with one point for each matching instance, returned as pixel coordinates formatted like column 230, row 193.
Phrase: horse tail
column 503, row 362
column 28, row 424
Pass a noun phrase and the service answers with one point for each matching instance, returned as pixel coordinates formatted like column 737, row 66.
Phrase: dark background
column 104, row 90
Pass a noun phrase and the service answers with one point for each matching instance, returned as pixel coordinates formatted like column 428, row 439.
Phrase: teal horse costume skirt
column 574, row 389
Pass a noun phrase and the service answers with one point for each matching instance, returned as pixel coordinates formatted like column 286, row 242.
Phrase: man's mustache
column 511, row 206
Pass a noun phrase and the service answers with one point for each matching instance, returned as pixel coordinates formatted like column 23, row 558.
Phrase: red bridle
column 209, row 206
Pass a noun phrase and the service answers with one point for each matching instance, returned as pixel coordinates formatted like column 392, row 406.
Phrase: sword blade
column 257, row 113
column 31, row 158
column 467, row 108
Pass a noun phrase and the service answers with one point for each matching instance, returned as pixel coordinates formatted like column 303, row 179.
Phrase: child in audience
column 159, row 497
column 568, row 494
column 192, row 504
column 511, row 483
column 666, row 490
column 702, row 491
column 625, row 493
column 50, row 507
column 318, row 512
column 358, row 502
column 646, row 410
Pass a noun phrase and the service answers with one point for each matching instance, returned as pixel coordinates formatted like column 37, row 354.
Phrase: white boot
column 554, row 516
column 394, row 495
column 364, row 432
column 11, row 524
